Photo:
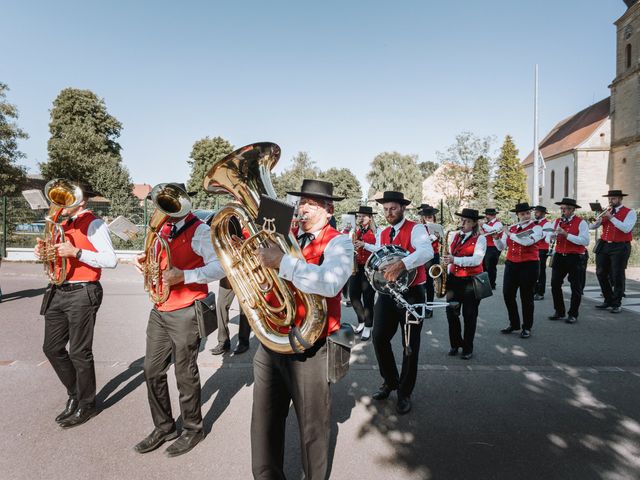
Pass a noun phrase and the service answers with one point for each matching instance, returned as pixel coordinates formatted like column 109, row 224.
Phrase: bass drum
column 380, row 259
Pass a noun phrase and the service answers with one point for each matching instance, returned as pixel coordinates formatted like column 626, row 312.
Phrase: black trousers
column 428, row 285
column 574, row 266
column 490, row 264
column 280, row 379
column 362, row 296
column 173, row 334
column 70, row 318
column 460, row 289
column 520, row 276
column 387, row 317
column 611, row 262
column 224, row 301
column 542, row 275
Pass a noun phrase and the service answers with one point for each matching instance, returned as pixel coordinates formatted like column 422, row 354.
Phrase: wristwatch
column 79, row 254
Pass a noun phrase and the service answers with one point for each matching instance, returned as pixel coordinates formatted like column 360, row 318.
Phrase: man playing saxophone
column 301, row 378
column 70, row 308
column 172, row 328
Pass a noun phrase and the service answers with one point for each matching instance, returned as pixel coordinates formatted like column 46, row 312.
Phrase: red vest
column 76, row 233
column 184, row 258
column 435, row 244
column 466, row 249
column 610, row 233
column 542, row 244
column 518, row 253
column 403, row 239
column 573, row 227
column 490, row 241
column 362, row 255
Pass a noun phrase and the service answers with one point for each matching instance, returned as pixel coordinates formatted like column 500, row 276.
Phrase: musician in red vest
column 464, row 262
column 70, row 309
column 172, row 331
column 491, row 224
column 387, row 314
column 570, row 258
column 613, row 249
column 436, row 233
column 361, row 292
column 280, row 379
column 521, row 268
column 540, row 218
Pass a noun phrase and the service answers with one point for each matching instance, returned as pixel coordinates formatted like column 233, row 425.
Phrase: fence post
column 5, row 227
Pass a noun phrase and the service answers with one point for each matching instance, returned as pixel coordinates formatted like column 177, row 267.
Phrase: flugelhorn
column 438, row 272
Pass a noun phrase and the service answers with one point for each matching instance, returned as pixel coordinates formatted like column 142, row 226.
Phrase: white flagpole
column 536, row 172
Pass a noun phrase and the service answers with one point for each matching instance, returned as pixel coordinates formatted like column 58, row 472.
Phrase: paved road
column 560, row 405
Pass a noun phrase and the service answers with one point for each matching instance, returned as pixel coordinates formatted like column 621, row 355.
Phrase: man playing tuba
column 172, row 328
column 281, row 378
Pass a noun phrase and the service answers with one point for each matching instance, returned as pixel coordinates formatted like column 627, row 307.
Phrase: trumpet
column 601, row 214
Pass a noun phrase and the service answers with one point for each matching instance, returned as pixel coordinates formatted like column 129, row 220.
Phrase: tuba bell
column 438, row 272
column 61, row 194
column 170, row 201
column 270, row 303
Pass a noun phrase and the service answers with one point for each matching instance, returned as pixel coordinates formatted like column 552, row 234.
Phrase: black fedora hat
column 426, row 209
column 316, row 189
column 491, row 211
column 568, row 201
column 522, row 207
column 471, row 213
column 364, row 210
column 615, row 193
column 391, row 196
column 540, row 208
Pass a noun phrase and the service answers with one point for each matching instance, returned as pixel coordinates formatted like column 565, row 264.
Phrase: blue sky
column 342, row 80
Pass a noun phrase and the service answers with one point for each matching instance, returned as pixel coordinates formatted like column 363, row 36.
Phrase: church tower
column 624, row 162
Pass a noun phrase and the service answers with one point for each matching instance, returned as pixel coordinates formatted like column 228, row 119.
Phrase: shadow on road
column 29, row 293
column 135, row 370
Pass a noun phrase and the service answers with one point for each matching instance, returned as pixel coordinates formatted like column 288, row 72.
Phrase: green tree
column 83, row 147
column 290, row 180
column 12, row 175
column 345, row 184
column 203, row 155
column 394, row 171
column 511, row 180
column 481, row 183
column 427, row 168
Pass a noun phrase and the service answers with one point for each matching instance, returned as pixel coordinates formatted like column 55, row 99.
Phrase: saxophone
column 438, row 272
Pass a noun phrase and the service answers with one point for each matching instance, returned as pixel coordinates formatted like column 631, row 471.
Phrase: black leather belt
column 70, row 287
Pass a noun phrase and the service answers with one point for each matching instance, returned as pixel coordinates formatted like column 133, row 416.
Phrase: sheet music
column 124, row 228
column 36, row 199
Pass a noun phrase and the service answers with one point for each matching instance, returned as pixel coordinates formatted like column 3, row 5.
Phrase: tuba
column 61, row 194
column 170, row 202
column 270, row 303
column 438, row 272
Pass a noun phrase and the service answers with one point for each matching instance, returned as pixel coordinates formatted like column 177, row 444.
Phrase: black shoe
column 241, row 348
column 603, row 306
column 366, row 334
column 538, row 297
column 383, row 392
column 525, row 333
column 557, row 316
column 571, row 319
column 404, row 405
column 359, row 328
column 81, row 415
column 493, row 287
column 466, row 356
column 184, row 444
column 509, row 329
column 70, row 409
column 616, row 309
column 453, row 351
column 155, row 439
column 221, row 348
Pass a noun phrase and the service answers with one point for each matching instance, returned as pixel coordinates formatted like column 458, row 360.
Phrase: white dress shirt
column 496, row 227
column 327, row 279
column 201, row 244
column 420, row 241
column 536, row 236
column 625, row 226
column 98, row 235
column 478, row 253
column 583, row 234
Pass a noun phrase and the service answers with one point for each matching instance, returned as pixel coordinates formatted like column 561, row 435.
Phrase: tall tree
column 427, row 168
column 203, row 154
column 459, row 159
column 394, row 171
column 290, row 180
column 83, row 146
column 511, row 180
column 345, row 184
column 12, row 175
column 481, row 182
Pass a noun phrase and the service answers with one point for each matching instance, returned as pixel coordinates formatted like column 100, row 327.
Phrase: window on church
column 553, row 184
column 628, row 55
column 566, row 181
